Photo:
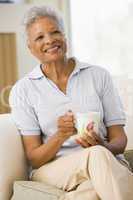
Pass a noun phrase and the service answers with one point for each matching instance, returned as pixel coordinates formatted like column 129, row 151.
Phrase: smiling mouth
column 52, row 49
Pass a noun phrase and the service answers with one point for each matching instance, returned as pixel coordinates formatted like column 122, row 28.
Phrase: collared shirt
column 37, row 102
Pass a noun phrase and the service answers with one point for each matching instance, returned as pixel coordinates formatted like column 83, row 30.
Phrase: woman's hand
column 66, row 126
column 90, row 138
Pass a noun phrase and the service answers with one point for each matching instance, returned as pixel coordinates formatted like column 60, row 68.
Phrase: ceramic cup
column 82, row 120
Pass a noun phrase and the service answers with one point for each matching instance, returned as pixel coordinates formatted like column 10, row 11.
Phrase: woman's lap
column 69, row 171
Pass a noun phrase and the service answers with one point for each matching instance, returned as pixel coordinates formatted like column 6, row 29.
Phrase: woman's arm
column 117, row 139
column 38, row 153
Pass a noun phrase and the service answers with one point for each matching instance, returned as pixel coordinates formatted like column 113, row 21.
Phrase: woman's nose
column 48, row 38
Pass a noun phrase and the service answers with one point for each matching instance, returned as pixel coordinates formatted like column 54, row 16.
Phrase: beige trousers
column 89, row 174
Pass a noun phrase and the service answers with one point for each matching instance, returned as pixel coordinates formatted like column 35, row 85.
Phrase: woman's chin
column 54, row 58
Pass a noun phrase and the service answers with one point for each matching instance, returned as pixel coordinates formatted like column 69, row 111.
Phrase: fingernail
column 90, row 125
column 69, row 112
column 77, row 141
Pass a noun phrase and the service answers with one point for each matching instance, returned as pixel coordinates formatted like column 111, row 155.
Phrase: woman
column 44, row 104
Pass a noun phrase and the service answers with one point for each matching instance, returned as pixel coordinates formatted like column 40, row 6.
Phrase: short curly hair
column 42, row 11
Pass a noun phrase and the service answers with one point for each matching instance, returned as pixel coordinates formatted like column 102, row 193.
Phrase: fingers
column 67, row 129
column 94, row 135
column 66, row 120
column 90, row 131
column 90, row 126
column 69, row 113
column 66, row 124
column 86, row 142
column 82, row 142
column 61, row 123
column 98, row 138
column 89, row 138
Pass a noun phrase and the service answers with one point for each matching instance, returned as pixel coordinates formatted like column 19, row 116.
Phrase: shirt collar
column 80, row 65
column 37, row 73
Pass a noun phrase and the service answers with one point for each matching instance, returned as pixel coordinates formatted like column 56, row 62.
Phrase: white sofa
column 13, row 167
column 12, row 160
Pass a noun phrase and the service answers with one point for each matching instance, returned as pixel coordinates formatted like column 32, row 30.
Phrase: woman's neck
column 59, row 70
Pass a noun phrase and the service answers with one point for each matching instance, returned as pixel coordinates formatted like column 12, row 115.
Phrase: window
column 102, row 33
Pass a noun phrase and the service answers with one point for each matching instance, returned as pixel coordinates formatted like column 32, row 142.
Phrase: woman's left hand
column 90, row 138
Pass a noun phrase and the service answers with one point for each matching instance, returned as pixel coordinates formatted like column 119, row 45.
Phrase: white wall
column 11, row 16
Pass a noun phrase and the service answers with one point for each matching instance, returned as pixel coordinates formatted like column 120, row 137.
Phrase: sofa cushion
column 129, row 157
column 30, row 190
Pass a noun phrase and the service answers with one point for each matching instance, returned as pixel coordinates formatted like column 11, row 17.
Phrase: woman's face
column 45, row 40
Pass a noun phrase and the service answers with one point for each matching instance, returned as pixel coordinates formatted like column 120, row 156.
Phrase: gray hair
column 42, row 11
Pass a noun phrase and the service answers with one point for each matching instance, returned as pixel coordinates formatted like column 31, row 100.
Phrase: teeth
column 51, row 49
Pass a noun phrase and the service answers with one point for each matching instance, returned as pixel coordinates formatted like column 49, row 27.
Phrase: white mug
column 82, row 120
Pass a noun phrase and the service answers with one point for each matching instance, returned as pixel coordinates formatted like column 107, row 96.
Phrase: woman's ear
column 29, row 46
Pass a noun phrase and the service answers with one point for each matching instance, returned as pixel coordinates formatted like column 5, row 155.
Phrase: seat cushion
column 129, row 157
column 30, row 190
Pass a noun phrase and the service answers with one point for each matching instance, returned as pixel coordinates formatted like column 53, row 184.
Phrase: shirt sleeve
column 22, row 112
column 113, row 109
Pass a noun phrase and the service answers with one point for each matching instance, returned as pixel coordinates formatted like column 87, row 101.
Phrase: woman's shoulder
column 99, row 75
column 21, row 84
column 99, row 70
column 24, row 83
column 92, row 68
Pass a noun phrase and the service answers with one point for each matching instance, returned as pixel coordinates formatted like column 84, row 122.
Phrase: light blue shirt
column 37, row 102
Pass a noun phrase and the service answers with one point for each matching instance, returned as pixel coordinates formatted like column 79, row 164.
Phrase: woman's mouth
column 52, row 49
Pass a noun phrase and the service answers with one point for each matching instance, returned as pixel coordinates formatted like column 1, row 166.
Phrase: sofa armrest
column 13, row 164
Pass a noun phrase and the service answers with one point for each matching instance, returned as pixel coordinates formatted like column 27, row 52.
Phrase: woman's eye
column 39, row 37
column 56, row 32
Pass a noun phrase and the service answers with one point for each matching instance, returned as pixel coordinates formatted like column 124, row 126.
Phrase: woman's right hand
column 66, row 126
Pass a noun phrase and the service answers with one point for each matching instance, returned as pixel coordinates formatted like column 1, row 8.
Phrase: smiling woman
column 45, row 40
column 44, row 106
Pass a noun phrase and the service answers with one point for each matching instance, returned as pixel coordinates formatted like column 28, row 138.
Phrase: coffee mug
column 82, row 120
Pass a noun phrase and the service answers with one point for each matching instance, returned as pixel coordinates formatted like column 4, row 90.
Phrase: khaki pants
column 89, row 174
